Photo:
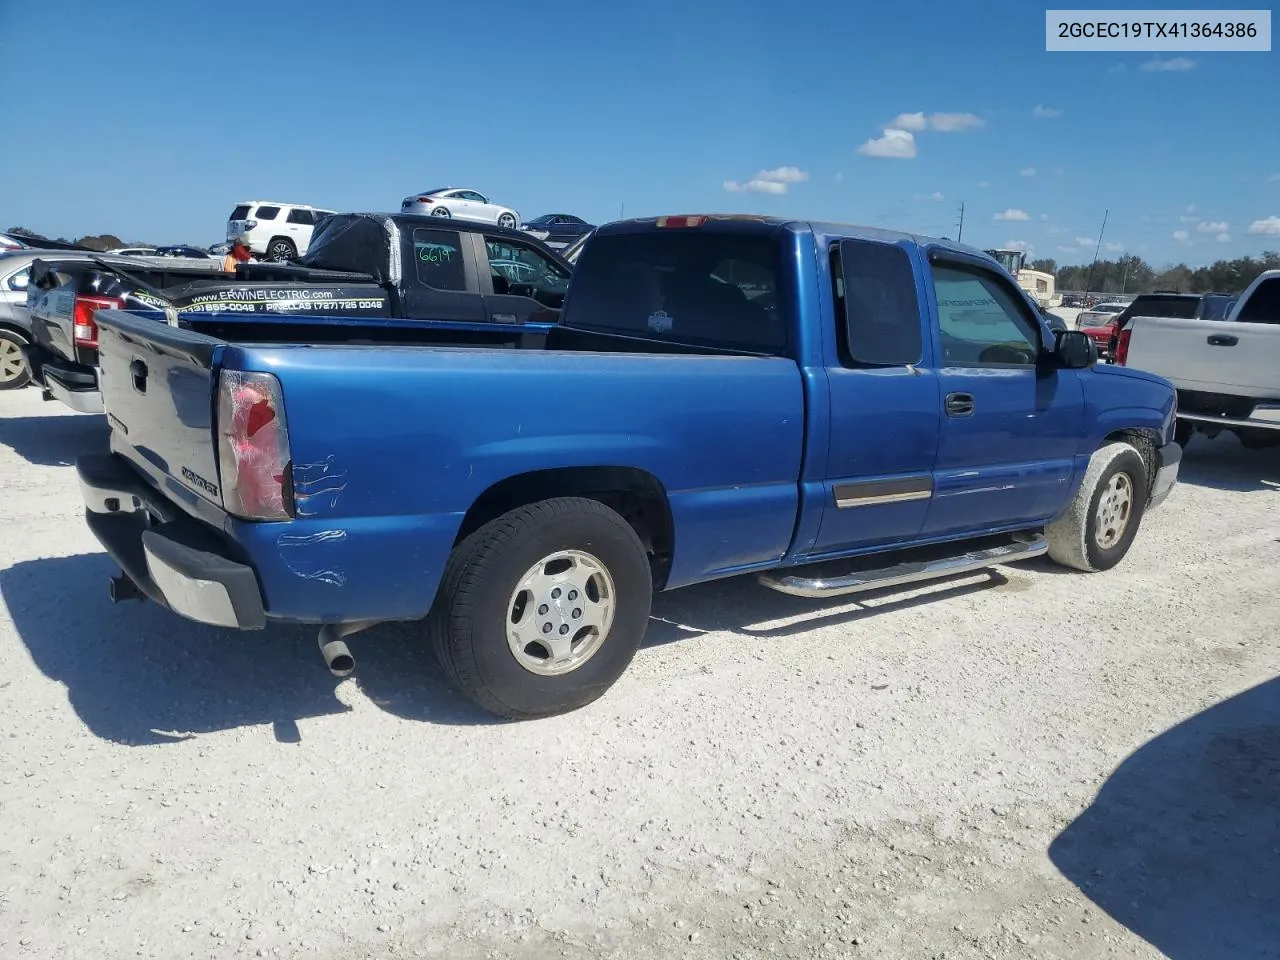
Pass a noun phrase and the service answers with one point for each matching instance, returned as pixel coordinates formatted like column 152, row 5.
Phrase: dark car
column 557, row 228
column 1055, row 322
column 574, row 250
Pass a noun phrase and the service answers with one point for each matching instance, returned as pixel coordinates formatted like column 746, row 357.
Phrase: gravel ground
column 1021, row 764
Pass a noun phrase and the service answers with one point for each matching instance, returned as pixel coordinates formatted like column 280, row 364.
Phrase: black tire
column 507, row 221
column 468, row 623
column 1182, row 433
column 14, row 372
column 1074, row 538
column 281, row 250
column 440, row 212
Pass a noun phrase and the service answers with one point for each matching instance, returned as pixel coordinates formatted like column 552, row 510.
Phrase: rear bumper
column 174, row 560
column 1168, row 460
column 70, row 383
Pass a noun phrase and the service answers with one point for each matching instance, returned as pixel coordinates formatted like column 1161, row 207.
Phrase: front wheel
column 507, row 221
column 541, row 610
column 14, row 373
column 1098, row 528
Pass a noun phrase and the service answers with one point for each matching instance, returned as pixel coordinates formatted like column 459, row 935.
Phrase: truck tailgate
column 158, row 384
column 1209, row 355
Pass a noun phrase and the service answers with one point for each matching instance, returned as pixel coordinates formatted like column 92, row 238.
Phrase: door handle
column 1223, row 340
column 959, row 404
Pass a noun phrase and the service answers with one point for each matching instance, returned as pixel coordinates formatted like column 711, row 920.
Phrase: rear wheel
column 1098, row 528
column 440, row 212
column 281, row 250
column 14, row 373
column 542, row 609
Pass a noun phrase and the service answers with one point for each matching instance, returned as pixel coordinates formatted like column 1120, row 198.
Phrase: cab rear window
column 690, row 286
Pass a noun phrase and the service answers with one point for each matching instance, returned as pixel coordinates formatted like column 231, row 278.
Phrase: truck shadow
column 742, row 606
column 54, row 441
column 1182, row 843
column 139, row 675
column 1225, row 464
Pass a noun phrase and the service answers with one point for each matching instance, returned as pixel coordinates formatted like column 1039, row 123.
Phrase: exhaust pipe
column 337, row 657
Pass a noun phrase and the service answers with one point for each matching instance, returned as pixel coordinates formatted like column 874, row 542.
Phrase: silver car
column 15, row 321
column 460, row 202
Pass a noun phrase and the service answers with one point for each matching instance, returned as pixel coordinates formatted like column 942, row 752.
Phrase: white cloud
column 839, row 178
column 1175, row 64
column 983, row 184
column 1018, row 245
column 1223, row 238
column 769, row 181
column 955, row 122
column 1181, row 235
column 1267, row 227
column 1044, row 217
column 1027, row 172
column 934, row 197
column 755, row 186
column 1084, row 241
column 1191, row 208
column 1211, row 226
column 1068, row 250
column 1012, row 214
column 1186, row 219
column 1045, row 113
column 1113, row 247
column 784, row 175
column 895, row 144
column 909, row 121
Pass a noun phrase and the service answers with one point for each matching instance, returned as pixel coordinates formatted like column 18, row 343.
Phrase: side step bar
column 798, row 585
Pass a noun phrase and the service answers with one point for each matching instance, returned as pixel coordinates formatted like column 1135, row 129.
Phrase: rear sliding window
column 240, row 213
column 1263, row 305
column 876, row 291
column 1183, row 308
column 685, row 285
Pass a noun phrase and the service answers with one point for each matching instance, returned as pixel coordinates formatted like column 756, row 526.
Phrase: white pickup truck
column 1227, row 372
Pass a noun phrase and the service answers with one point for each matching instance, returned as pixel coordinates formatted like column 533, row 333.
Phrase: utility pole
column 622, row 212
column 960, row 235
column 1089, row 282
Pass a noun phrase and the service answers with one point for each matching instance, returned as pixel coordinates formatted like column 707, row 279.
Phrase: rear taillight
column 84, row 330
column 427, row 200
column 1122, row 346
column 253, row 447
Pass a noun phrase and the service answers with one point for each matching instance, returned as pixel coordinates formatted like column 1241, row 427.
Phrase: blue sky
column 153, row 125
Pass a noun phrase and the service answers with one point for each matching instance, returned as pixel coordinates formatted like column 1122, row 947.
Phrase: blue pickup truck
column 830, row 408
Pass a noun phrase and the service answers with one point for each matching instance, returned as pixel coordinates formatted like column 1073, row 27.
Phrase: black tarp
column 353, row 243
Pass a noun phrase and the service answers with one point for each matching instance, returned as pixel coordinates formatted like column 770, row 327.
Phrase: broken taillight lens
column 253, row 446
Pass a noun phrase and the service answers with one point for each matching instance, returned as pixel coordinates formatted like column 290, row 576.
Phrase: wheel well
column 1145, row 442
column 281, row 236
column 21, row 334
column 634, row 494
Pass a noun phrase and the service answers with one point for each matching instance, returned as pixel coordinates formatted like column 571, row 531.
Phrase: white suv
column 273, row 230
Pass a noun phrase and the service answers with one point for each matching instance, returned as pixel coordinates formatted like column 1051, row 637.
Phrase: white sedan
column 460, row 202
column 1099, row 315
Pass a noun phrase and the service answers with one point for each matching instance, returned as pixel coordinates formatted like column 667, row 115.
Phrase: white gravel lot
column 911, row 775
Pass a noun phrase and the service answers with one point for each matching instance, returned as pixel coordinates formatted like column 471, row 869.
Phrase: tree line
column 1132, row 274
column 100, row 241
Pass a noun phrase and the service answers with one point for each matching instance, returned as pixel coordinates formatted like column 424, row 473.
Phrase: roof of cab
column 825, row 230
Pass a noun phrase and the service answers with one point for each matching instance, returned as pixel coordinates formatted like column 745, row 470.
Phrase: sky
column 152, row 126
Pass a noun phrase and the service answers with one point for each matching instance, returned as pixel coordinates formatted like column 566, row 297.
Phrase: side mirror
column 1074, row 350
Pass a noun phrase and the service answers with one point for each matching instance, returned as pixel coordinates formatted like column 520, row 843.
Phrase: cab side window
column 437, row 259
column 983, row 323
column 524, row 271
column 876, row 297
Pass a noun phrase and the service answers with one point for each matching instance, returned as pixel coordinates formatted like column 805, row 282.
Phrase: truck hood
column 1113, row 370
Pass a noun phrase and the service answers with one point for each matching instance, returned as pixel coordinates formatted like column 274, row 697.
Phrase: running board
column 798, row 585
